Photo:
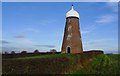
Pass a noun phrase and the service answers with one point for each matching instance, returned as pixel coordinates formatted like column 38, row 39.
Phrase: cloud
column 16, row 49
column 19, row 45
column 4, row 42
column 48, row 46
column 20, row 36
column 88, row 29
column 113, row 0
column 85, row 31
column 31, row 30
column 9, row 48
column 26, row 32
column 101, row 20
column 105, row 19
column 99, row 42
column 113, row 6
column 103, row 44
column 24, row 42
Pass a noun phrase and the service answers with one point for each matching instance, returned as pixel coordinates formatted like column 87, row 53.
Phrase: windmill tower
column 72, row 42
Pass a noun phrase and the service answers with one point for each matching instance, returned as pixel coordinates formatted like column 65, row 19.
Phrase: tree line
column 35, row 51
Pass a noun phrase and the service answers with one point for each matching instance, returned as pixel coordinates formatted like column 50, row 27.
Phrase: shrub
column 53, row 50
column 6, row 52
column 24, row 52
column 12, row 52
column 36, row 51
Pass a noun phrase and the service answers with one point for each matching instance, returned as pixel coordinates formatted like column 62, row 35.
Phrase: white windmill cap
column 72, row 13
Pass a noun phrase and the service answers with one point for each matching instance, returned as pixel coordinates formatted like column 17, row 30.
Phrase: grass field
column 103, row 64
column 46, row 56
column 63, row 64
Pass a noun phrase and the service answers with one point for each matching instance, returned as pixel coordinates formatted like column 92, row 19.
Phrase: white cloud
column 99, row 41
column 18, row 44
column 4, row 42
column 20, row 36
column 21, row 44
column 113, row 6
column 31, row 30
column 113, row 0
column 87, row 29
column 101, row 44
column 24, row 41
column 105, row 19
column 25, row 32
column 101, row 20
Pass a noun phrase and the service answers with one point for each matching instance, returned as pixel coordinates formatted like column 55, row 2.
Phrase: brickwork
column 72, row 36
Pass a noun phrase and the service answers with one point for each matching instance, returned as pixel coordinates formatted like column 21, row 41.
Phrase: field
column 103, row 64
column 63, row 64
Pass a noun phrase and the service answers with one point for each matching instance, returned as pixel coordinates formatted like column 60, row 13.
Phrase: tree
column 53, row 50
column 12, row 52
column 6, row 52
column 24, row 52
column 36, row 51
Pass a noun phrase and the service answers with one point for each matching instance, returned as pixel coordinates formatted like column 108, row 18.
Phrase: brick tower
column 72, row 42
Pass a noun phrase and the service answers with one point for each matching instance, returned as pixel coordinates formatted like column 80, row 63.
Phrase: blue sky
column 38, row 25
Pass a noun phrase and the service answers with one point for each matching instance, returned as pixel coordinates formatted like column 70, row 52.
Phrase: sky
column 40, row 25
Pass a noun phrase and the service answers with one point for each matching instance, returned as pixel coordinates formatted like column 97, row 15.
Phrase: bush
column 12, row 52
column 36, row 51
column 24, row 52
column 53, row 50
column 6, row 52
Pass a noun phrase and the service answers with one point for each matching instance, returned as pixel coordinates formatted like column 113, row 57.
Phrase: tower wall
column 72, row 36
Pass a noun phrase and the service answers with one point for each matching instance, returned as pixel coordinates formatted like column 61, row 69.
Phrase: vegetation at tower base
column 85, row 63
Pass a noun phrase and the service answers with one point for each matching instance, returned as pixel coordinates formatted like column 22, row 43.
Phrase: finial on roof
column 72, row 7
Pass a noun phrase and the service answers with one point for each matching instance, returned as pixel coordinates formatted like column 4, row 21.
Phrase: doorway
column 68, row 49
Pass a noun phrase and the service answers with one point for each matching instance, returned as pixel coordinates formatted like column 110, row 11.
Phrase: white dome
column 72, row 13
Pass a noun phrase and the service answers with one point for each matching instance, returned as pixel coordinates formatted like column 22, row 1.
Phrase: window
column 69, row 28
column 68, row 37
column 69, row 20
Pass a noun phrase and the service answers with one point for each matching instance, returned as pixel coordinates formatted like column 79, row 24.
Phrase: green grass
column 72, row 57
column 53, row 64
column 103, row 64
column 47, row 56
